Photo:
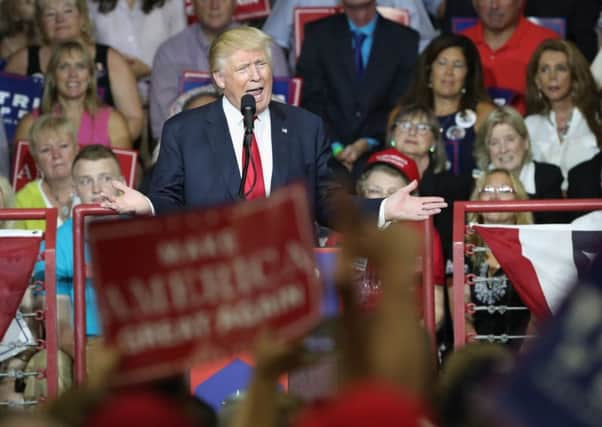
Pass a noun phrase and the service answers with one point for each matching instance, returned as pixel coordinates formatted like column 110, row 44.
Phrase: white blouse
column 578, row 145
column 134, row 33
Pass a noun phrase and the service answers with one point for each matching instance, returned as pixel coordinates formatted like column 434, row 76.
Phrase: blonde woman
column 70, row 90
column 503, row 142
column 53, row 147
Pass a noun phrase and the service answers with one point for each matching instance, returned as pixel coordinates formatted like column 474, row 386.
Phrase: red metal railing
column 428, row 285
column 50, row 216
column 460, row 210
column 79, row 285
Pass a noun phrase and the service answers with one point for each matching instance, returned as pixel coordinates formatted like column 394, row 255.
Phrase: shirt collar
column 367, row 29
column 233, row 114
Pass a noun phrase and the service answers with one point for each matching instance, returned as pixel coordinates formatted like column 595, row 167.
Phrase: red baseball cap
column 397, row 161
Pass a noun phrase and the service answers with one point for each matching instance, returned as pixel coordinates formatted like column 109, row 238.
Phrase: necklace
column 64, row 208
column 563, row 130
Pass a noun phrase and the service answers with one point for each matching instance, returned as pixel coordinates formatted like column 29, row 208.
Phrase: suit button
column 358, row 114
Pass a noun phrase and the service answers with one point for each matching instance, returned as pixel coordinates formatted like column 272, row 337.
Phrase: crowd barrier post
column 428, row 281
column 79, row 285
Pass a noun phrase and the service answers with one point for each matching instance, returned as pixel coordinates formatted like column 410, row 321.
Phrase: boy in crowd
column 94, row 168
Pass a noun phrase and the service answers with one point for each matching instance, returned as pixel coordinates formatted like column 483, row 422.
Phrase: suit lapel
column 280, row 146
column 223, row 150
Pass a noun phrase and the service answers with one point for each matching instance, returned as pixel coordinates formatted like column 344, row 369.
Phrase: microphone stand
column 246, row 146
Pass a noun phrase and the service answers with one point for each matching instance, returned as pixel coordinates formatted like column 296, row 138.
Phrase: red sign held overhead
column 198, row 285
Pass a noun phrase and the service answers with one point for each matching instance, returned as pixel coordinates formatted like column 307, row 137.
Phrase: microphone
column 248, row 108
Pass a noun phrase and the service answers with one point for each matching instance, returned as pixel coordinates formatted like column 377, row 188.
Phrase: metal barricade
column 49, row 313
column 459, row 246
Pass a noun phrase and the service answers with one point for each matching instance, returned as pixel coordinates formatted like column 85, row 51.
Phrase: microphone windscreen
column 247, row 104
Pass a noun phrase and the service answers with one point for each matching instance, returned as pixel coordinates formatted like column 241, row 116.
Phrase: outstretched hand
column 128, row 200
column 401, row 205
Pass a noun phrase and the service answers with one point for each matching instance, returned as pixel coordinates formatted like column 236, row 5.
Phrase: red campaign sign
column 245, row 9
column 26, row 170
column 191, row 287
column 17, row 257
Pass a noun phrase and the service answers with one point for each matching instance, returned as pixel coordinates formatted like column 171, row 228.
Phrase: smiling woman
column 503, row 142
column 70, row 90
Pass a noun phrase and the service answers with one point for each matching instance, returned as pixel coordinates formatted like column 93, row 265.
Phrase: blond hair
column 235, row 39
column 50, row 123
column 498, row 116
column 521, row 218
column 50, row 98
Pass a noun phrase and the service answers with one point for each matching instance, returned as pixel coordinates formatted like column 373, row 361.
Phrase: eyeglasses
column 502, row 189
column 407, row 126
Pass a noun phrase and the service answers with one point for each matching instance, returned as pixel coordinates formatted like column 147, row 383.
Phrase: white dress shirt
column 578, row 145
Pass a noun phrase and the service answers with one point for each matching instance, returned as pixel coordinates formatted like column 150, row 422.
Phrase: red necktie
column 254, row 186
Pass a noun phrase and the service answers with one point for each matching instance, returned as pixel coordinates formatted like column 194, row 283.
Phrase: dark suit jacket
column 584, row 181
column 197, row 166
column 353, row 108
column 548, row 179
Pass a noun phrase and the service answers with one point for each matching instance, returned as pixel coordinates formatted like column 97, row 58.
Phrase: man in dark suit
column 201, row 156
column 355, row 66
